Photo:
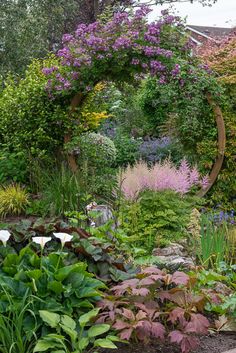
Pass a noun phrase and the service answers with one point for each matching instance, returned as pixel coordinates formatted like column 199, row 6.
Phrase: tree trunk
column 76, row 101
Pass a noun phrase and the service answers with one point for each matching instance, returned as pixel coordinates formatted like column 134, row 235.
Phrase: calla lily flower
column 41, row 240
column 64, row 237
column 4, row 236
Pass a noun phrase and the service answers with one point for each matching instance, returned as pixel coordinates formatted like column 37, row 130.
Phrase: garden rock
column 173, row 257
column 101, row 214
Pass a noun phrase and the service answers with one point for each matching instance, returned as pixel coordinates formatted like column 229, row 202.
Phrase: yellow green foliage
column 93, row 112
column 30, row 121
column 13, row 200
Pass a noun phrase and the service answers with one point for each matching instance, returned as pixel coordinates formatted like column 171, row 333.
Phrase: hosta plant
column 157, row 305
column 72, row 336
column 56, row 283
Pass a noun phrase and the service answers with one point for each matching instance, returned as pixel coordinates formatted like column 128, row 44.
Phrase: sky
column 221, row 14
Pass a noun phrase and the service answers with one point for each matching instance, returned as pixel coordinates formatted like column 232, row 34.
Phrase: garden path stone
column 173, row 257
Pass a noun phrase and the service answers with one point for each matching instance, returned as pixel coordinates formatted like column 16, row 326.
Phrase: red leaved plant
column 156, row 305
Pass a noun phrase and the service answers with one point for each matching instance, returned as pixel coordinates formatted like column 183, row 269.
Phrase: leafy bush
column 224, row 190
column 13, row 167
column 127, row 149
column 13, row 200
column 97, row 150
column 96, row 154
column 157, row 305
column 219, row 285
column 30, row 122
column 157, row 218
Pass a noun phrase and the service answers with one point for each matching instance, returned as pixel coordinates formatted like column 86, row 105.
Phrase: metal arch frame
column 79, row 98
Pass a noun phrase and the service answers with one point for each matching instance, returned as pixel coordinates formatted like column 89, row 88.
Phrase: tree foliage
column 31, row 28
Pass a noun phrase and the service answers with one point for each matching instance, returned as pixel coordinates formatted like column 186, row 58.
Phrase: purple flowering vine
column 97, row 51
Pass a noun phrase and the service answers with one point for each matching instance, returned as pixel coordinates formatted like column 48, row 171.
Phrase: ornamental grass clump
column 13, row 200
column 161, row 176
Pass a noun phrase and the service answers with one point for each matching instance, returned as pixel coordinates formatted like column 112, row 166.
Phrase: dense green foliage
column 156, row 218
column 30, row 122
column 96, row 149
column 13, row 167
column 54, row 284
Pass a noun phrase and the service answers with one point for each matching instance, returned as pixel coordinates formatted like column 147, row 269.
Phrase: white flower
column 4, row 236
column 90, row 206
column 93, row 224
column 41, row 240
column 64, row 237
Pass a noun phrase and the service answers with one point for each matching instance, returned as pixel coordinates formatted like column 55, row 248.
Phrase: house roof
column 211, row 32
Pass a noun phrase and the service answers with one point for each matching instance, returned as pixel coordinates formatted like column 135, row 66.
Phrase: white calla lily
column 4, row 236
column 64, row 237
column 41, row 240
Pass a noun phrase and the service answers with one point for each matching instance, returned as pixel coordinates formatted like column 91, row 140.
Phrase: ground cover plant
column 159, row 305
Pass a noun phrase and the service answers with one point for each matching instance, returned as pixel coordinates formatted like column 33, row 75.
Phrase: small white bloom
column 64, row 237
column 41, row 240
column 90, row 206
column 4, row 236
column 93, row 224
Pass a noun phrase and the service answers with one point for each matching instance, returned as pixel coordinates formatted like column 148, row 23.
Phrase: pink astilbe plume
column 161, row 176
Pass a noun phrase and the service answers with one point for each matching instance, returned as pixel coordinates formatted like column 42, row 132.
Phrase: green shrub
column 96, row 155
column 13, row 200
column 127, row 149
column 30, row 121
column 97, row 150
column 13, row 167
column 157, row 218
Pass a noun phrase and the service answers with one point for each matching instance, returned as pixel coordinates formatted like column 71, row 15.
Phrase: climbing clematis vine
column 124, row 48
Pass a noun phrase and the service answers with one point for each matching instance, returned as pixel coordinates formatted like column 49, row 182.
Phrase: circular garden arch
column 120, row 49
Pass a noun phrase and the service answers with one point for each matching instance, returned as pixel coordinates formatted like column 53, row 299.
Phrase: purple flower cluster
column 123, row 42
column 49, row 70
column 176, row 71
column 154, row 149
column 223, row 217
